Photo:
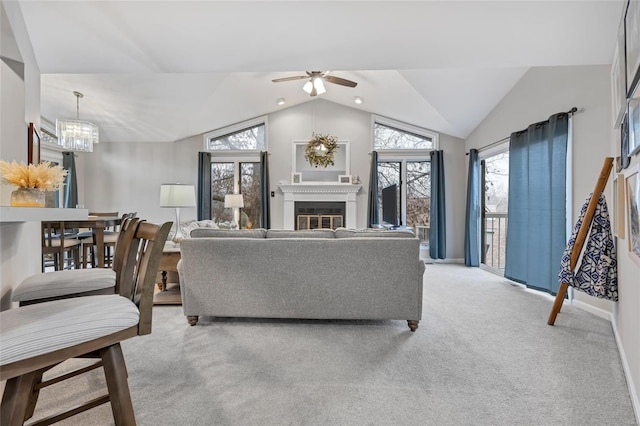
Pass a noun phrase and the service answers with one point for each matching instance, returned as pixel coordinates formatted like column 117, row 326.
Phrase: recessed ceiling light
column 358, row 100
column 280, row 101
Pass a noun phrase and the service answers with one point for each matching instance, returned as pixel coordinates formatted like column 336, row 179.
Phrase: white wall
column 127, row 176
column 19, row 105
column 545, row 91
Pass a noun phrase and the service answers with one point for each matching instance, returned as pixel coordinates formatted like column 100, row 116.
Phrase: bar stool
column 38, row 337
column 78, row 282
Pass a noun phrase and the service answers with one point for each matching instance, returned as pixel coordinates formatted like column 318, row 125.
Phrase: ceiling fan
column 315, row 85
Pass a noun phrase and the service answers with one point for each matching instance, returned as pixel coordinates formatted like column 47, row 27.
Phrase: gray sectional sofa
column 314, row 274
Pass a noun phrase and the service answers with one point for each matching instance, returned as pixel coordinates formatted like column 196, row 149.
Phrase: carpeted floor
column 483, row 355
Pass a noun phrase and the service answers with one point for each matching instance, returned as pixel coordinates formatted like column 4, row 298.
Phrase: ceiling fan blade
column 340, row 81
column 297, row 77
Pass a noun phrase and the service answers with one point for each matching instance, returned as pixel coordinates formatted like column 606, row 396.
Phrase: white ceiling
column 166, row 70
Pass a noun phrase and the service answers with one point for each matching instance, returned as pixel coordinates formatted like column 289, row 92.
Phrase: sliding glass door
column 495, row 200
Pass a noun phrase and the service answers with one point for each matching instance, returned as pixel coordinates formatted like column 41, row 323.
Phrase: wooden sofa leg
column 192, row 319
column 413, row 324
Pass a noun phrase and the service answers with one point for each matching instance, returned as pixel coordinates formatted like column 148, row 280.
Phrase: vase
column 27, row 197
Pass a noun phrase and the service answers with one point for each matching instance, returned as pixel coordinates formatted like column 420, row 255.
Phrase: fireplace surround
column 320, row 193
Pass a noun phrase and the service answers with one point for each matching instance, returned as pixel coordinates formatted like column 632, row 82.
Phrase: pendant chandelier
column 77, row 135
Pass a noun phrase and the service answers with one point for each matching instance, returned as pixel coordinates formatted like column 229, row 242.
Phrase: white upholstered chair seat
column 63, row 283
column 108, row 238
column 39, row 329
column 68, row 242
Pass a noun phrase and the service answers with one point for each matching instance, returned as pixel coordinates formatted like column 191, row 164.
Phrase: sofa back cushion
column 306, row 233
column 228, row 233
column 373, row 233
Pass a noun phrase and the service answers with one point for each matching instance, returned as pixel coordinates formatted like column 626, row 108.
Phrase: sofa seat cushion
column 228, row 233
column 306, row 233
column 373, row 233
column 38, row 329
column 61, row 283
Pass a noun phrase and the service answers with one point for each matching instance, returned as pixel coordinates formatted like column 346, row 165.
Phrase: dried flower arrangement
column 43, row 176
column 320, row 150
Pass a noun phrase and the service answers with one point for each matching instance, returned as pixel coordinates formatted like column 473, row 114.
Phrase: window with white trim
column 235, row 168
column 403, row 160
column 246, row 136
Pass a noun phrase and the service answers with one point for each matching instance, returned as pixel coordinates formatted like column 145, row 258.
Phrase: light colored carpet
column 483, row 355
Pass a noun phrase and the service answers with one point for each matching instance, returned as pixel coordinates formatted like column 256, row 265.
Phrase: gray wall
column 127, row 176
column 547, row 90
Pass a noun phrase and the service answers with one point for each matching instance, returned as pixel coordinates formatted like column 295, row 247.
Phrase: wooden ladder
column 582, row 235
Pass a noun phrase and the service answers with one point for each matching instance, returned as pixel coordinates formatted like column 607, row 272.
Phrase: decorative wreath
column 315, row 155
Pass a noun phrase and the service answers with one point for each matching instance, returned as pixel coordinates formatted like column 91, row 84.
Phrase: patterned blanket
column 597, row 274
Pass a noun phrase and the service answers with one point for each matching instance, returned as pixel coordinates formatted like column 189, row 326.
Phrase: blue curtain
column 71, row 181
column 373, row 217
column 438, row 220
column 537, row 211
column 265, row 200
column 204, row 185
column 472, row 219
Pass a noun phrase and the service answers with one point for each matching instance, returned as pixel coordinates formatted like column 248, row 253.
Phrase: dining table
column 97, row 224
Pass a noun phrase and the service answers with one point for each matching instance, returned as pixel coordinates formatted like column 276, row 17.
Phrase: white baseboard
column 430, row 260
column 635, row 400
column 592, row 309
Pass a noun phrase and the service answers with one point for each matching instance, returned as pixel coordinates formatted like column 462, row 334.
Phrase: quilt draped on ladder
column 597, row 274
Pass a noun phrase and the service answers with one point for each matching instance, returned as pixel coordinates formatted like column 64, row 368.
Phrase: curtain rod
column 571, row 111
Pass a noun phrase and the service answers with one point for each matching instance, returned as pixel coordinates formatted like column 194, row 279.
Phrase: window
column 245, row 136
column 403, row 160
column 235, row 168
column 240, row 176
column 394, row 135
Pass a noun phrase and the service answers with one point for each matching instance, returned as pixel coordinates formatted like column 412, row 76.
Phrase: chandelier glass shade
column 77, row 135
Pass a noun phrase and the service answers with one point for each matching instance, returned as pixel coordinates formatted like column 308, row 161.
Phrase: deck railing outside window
column 495, row 239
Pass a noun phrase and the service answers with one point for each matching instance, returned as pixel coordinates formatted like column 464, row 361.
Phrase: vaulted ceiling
column 166, row 70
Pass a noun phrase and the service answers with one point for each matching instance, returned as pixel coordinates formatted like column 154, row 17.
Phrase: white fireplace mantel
column 322, row 192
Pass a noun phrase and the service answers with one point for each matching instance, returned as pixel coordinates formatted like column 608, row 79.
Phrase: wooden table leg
column 163, row 285
column 99, row 233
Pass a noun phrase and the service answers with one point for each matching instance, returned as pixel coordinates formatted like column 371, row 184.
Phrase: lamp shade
column 233, row 200
column 177, row 195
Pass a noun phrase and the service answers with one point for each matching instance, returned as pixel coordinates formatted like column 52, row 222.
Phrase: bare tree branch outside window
column 416, row 177
column 224, row 175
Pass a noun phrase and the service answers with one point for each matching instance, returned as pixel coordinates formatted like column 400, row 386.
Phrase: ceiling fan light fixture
column 319, row 85
column 308, row 87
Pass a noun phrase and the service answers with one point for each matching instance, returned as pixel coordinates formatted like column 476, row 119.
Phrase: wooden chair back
column 123, row 244
column 141, row 268
column 54, row 243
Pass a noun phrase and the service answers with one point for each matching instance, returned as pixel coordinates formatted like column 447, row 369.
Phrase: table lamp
column 176, row 195
column 235, row 202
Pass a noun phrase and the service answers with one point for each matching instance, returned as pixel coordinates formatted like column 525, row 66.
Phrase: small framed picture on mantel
column 344, row 179
column 296, row 178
